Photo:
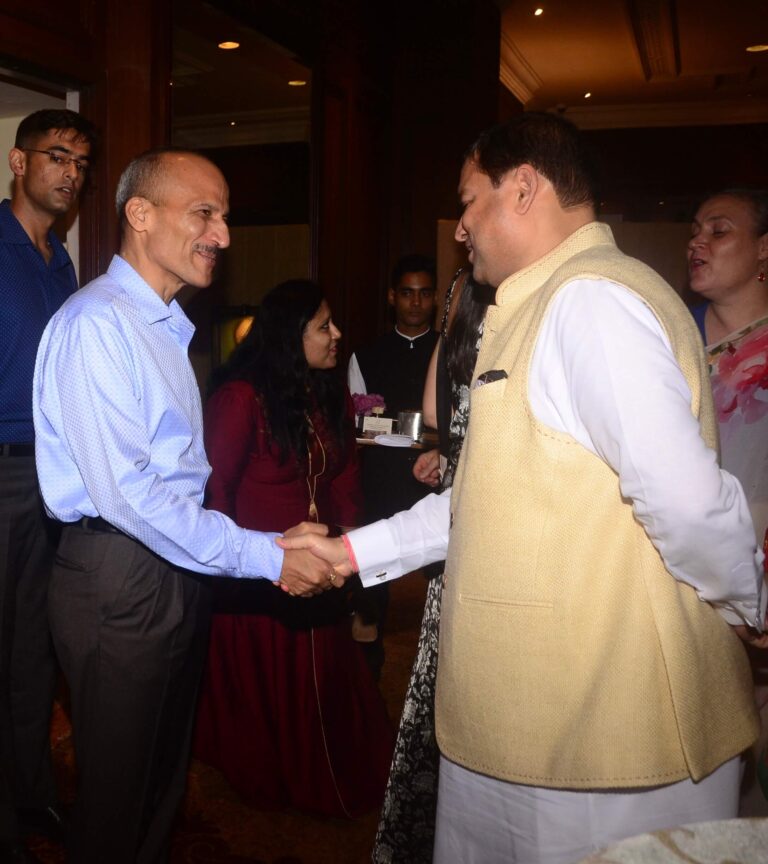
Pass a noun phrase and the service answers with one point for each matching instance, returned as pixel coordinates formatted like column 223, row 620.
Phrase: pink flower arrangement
column 741, row 379
column 365, row 402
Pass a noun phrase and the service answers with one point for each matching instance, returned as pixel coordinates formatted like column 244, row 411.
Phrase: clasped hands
column 313, row 561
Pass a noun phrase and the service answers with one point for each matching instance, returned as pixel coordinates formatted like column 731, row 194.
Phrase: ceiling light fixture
column 228, row 46
column 755, row 49
column 538, row 12
column 587, row 95
column 297, row 83
column 233, row 123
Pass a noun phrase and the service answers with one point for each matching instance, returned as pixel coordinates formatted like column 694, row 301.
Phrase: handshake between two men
column 313, row 562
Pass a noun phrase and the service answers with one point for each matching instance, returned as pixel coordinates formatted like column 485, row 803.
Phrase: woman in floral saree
column 727, row 266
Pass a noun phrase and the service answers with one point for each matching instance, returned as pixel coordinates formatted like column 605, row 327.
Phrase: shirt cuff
column 262, row 556
column 373, row 547
column 751, row 612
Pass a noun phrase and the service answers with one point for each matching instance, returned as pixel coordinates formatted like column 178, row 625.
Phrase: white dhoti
column 481, row 820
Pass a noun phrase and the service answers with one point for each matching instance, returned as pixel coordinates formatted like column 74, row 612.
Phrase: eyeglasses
column 61, row 159
column 409, row 293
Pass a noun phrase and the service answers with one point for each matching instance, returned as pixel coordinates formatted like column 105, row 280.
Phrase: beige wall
column 258, row 258
column 261, row 256
column 8, row 127
column 661, row 245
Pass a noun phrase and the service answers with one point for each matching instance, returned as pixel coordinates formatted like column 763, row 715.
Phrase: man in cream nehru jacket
column 600, row 565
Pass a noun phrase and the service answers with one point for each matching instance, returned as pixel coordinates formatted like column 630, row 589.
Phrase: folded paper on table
column 394, row 440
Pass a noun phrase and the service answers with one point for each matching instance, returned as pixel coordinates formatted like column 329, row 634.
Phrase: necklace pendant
column 312, row 510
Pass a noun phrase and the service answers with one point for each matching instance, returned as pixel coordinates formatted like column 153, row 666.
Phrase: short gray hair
column 143, row 177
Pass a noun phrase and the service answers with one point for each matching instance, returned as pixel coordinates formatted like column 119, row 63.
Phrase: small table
column 427, row 441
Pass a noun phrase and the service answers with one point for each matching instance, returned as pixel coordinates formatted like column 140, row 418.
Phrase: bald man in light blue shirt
column 119, row 449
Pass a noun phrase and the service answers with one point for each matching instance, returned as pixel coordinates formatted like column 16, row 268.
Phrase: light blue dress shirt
column 119, row 430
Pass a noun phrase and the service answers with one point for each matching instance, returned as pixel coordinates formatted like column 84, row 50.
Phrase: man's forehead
column 470, row 173
column 65, row 139
column 415, row 277
column 194, row 177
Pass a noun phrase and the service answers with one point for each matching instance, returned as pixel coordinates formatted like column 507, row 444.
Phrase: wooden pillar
column 129, row 101
column 350, row 128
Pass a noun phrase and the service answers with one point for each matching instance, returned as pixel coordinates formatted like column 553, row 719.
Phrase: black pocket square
column 489, row 377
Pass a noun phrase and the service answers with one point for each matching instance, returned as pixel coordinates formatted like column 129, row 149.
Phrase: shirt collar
column 145, row 299
column 10, row 227
column 12, row 232
column 412, row 338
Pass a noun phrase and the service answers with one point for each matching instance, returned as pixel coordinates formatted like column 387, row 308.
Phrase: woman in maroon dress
column 289, row 711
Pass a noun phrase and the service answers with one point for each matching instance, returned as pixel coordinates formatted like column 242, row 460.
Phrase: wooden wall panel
column 445, row 92
column 351, row 203
column 403, row 90
column 51, row 40
column 399, row 92
column 662, row 174
column 118, row 56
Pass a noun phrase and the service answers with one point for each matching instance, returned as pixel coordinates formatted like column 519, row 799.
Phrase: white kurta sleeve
column 603, row 372
column 355, row 380
column 387, row 549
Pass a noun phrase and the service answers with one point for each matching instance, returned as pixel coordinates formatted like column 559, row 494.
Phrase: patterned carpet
column 215, row 827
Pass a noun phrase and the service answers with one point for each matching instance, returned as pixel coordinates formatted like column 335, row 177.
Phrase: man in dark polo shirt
column 395, row 367
column 49, row 162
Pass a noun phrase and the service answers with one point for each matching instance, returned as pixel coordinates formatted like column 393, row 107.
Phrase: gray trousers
column 131, row 632
column 27, row 662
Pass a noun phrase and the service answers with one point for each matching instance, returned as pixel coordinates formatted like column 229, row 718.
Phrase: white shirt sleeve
column 603, row 372
column 355, row 380
column 389, row 548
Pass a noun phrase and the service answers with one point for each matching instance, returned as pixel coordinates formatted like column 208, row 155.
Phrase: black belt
column 97, row 524
column 17, row 450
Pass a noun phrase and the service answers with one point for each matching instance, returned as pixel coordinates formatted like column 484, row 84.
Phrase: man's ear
column 17, row 161
column 391, row 296
column 527, row 185
column 138, row 213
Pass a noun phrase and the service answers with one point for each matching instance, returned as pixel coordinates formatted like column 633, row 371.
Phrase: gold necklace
column 312, row 480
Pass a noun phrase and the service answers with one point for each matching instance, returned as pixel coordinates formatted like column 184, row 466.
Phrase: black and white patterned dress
column 406, row 831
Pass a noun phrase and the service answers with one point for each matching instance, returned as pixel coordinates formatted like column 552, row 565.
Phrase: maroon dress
column 289, row 711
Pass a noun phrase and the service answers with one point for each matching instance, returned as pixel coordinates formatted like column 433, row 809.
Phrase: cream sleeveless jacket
column 569, row 656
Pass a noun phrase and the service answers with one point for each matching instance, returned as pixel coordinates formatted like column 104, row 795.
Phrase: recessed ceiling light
column 754, row 49
column 228, row 46
column 297, row 83
column 233, row 123
column 587, row 95
column 539, row 11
